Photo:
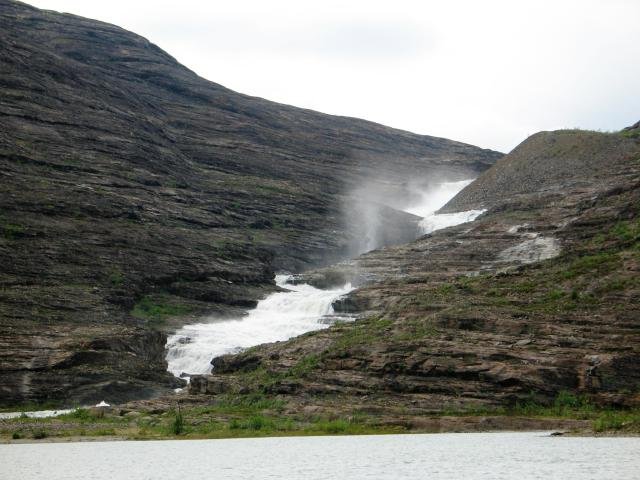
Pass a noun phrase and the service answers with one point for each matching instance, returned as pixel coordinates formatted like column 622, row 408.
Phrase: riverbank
column 243, row 416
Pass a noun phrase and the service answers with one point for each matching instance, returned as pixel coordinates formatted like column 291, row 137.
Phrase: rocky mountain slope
column 134, row 192
column 537, row 298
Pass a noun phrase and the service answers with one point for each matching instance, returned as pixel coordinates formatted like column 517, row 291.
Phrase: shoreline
column 425, row 425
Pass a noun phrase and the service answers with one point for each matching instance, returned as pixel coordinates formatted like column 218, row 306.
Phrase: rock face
column 546, row 164
column 538, row 296
column 134, row 192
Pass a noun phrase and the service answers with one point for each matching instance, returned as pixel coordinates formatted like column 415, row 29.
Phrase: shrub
column 177, row 426
column 116, row 278
column 82, row 414
column 255, row 422
column 39, row 434
column 608, row 421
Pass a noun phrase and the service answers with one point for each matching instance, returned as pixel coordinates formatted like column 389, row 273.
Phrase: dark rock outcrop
column 538, row 296
column 133, row 192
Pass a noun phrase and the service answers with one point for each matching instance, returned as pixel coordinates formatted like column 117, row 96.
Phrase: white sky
column 485, row 72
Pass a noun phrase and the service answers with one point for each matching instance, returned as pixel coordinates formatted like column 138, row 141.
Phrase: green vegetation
column 80, row 414
column 156, row 308
column 566, row 405
column 177, row 426
column 617, row 420
column 599, row 264
column 39, row 434
column 116, row 278
column 571, row 283
column 362, row 332
column 264, row 415
column 259, row 422
column 11, row 231
column 304, row 366
column 630, row 133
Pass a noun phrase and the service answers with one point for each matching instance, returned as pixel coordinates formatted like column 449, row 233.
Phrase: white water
column 35, row 414
column 280, row 316
column 284, row 315
column 433, row 200
column 44, row 413
column 434, row 222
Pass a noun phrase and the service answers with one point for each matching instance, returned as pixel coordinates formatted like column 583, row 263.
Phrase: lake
column 472, row 456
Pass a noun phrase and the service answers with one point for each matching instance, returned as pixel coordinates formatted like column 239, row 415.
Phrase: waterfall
column 283, row 315
column 434, row 199
column 279, row 316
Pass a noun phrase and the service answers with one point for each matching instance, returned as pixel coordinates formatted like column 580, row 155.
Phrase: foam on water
column 284, row 315
column 35, row 414
column 279, row 316
column 433, row 200
column 434, row 222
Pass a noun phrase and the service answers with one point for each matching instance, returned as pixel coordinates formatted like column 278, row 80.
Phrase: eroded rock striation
column 134, row 192
column 538, row 296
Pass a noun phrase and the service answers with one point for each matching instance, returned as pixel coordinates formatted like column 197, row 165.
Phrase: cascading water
column 433, row 200
column 280, row 316
column 284, row 315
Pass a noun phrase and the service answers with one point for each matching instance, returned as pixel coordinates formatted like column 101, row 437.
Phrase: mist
column 379, row 212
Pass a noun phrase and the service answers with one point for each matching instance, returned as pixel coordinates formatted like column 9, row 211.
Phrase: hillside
column 535, row 301
column 136, row 195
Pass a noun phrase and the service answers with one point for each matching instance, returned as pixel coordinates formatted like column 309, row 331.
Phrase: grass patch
column 415, row 330
column 304, row 366
column 597, row 264
column 177, row 425
column 617, row 420
column 261, row 415
column 240, row 404
column 361, row 332
column 333, row 426
column 255, row 422
column 12, row 231
column 156, row 309
column 116, row 278
column 80, row 414
column 39, row 434
column 635, row 133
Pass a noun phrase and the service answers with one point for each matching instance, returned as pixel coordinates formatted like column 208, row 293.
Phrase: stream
column 300, row 309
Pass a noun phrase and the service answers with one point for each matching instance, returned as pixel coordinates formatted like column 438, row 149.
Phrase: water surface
column 474, row 456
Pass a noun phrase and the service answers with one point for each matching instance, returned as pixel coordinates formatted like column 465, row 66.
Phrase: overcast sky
column 485, row 72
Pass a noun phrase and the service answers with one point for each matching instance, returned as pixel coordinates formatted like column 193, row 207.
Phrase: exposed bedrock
column 538, row 296
column 135, row 195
